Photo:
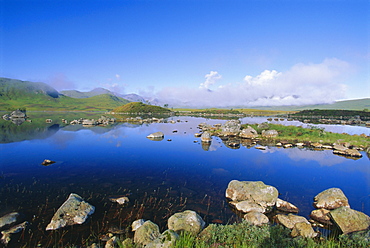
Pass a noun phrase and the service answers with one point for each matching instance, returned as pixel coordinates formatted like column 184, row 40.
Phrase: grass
column 256, row 112
column 312, row 134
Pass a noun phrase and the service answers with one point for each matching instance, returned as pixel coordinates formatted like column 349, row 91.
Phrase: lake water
column 160, row 177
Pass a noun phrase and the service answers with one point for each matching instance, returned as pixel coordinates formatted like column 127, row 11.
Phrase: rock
column 353, row 153
column 261, row 147
column 166, row 240
column 73, row 211
column 339, row 147
column 186, row 221
column 303, row 229
column 248, row 206
column 263, row 125
column 231, row 128
column 8, row 219
column 290, row 220
column 197, row 135
column 269, row 133
column 300, row 144
column 330, row 199
column 286, row 206
column 156, row 135
column 136, row 224
column 111, row 243
column 146, row 233
column 47, row 162
column 17, row 114
column 255, row 191
column 87, row 122
column 256, row 218
column 349, row 220
column 248, row 133
column 327, row 147
column 206, row 137
column 120, row 200
column 15, row 229
column 321, row 216
column 316, row 145
column 288, row 145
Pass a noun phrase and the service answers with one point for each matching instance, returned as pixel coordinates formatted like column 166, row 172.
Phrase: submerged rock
column 331, row 199
column 15, row 229
column 8, row 219
column 186, row 221
column 73, row 211
column 349, row 220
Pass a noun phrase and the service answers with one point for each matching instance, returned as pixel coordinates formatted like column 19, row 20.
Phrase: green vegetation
column 245, row 235
column 139, row 107
column 312, row 134
column 238, row 111
column 332, row 113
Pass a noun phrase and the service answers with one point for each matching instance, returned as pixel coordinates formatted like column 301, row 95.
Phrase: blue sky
column 214, row 53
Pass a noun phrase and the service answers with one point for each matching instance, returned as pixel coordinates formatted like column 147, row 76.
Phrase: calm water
column 159, row 177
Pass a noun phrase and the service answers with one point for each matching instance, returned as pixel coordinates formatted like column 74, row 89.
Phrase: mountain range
column 40, row 96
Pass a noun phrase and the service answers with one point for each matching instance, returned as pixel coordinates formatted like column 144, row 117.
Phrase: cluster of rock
column 147, row 233
column 103, row 120
column 17, row 117
column 140, row 120
column 7, row 222
column 352, row 121
column 256, row 200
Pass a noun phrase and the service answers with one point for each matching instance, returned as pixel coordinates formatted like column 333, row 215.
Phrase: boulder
column 353, row 153
column 304, row 230
column 269, row 133
column 248, row 133
column 156, row 135
column 263, row 125
column 206, row 137
column 8, row 219
column 166, row 240
column 186, row 221
column 321, row 215
column 339, row 147
column 290, row 220
column 286, row 206
column 73, row 211
column 231, row 128
column 256, row 218
column 146, row 233
column 330, row 199
column 17, row 114
column 136, row 224
column 255, row 191
column 349, row 220
column 248, row 206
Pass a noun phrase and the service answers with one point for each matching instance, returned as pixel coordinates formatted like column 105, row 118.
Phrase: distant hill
column 101, row 91
column 358, row 104
column 40, row 96
column 139, row 107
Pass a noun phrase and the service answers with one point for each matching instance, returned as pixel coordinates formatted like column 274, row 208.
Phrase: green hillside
column 139, row 107
column 39, row 96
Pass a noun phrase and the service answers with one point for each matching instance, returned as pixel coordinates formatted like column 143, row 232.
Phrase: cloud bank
column 302, row 84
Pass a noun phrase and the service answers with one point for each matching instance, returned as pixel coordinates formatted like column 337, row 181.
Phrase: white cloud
column 301, row 84
column 211, row 79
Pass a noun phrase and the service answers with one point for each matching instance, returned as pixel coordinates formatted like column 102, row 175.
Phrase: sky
column 205, row 53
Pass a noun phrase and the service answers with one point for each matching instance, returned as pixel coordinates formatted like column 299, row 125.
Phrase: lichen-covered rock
column 146, row 233
column 286, row 206
column 166, row 240
column 231, row 128
column 186, row 221
column 330, row 199
column 321, row 215
column 73, row 211
column 290, row 220
column 269, row 133
column 248, row 206
column 256, row 218
column 136, row 224
column 349, row 220
column 206, row 137
column 255, row 191
column 303, row 229
column 248, row 133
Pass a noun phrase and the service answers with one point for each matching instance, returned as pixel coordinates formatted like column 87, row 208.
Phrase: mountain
column 139, row 107
column 101, row 91
column 357, row 104
column 40, row 96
